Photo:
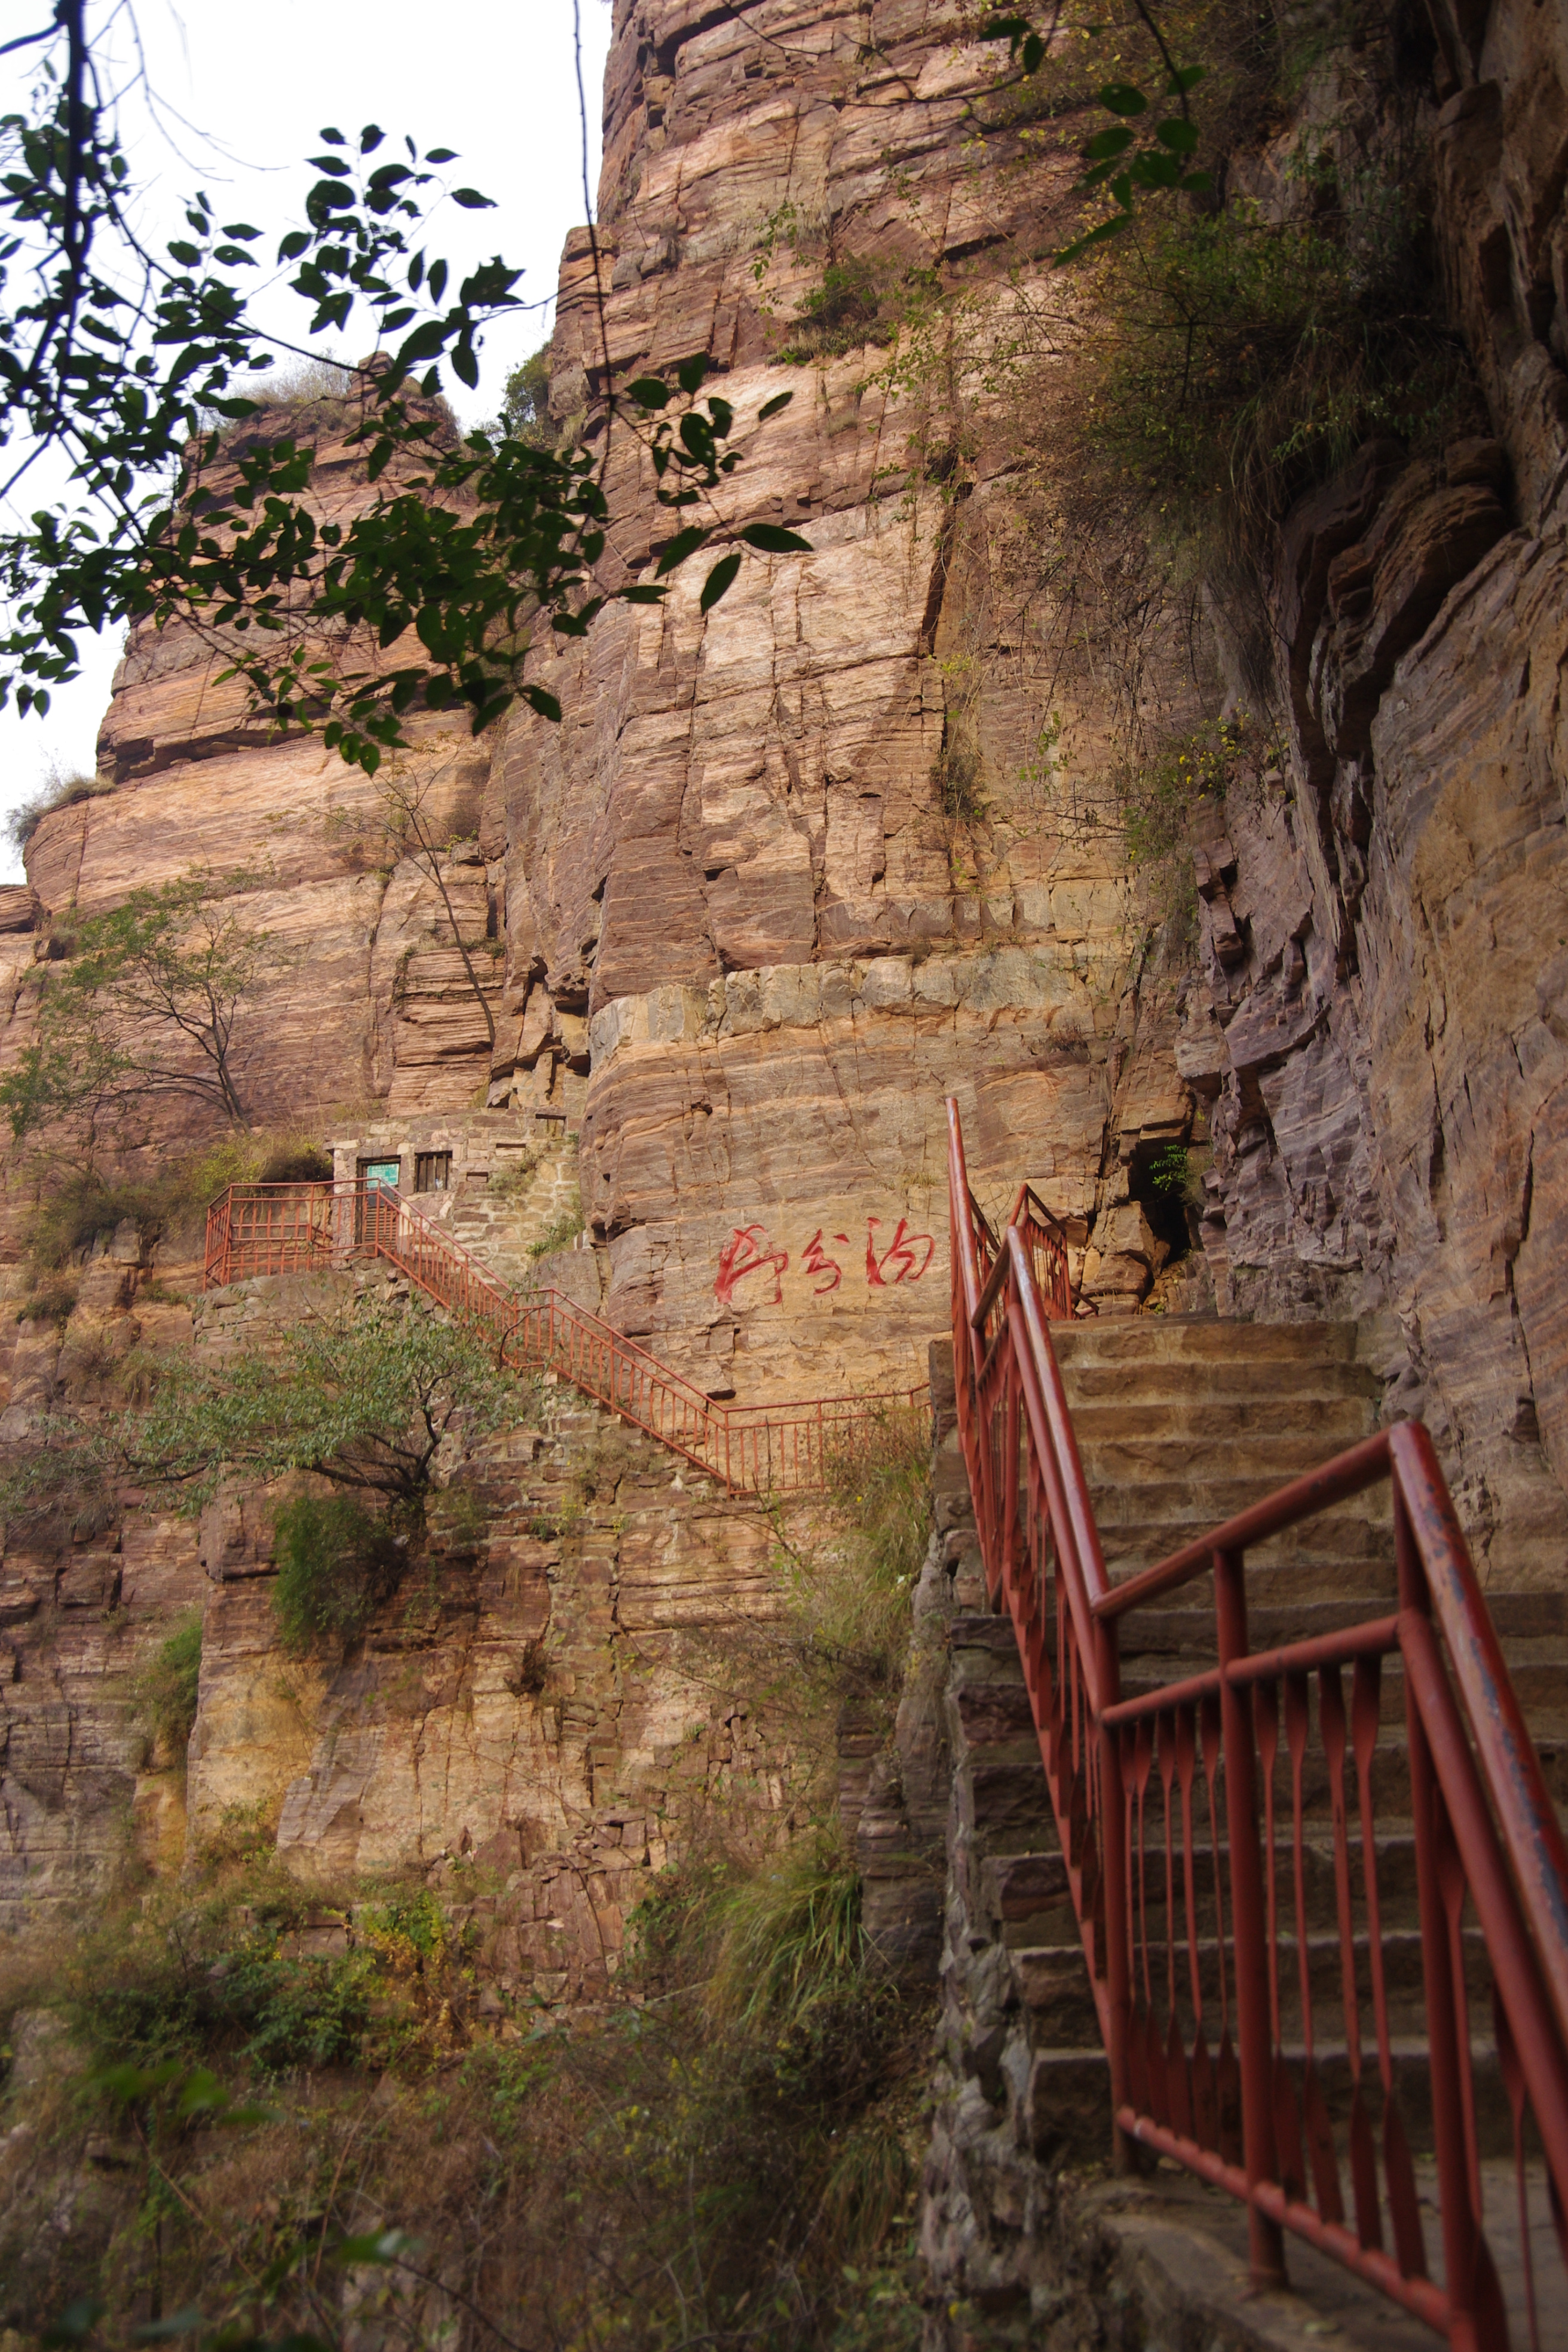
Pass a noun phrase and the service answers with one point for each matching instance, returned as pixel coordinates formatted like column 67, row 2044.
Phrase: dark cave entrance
column 1157, row 1181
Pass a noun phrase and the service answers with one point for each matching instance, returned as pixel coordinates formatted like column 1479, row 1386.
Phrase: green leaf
column 465, row 366
column 1107, row 144
column 539, row 699
column 720, row 581
column 1156, row 171
column 442, row 155
column 1121, row 98
column 188, row 255
column 472, row 201
column 649, row 392
column 688, row 375
column 334, row 138
column 1112, row 227
column 772, row 408
column 1187, row 77
column 1179, row 136
column 1005, row 28
column 370, row 138
column 76, row 2322
column 773, row 539
column 1198, row 184
column 643, row 592
column 1033, row 56
column 684, row 544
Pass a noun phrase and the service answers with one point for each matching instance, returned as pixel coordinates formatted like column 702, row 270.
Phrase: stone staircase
column 1181, row 1423
column 503, row 1222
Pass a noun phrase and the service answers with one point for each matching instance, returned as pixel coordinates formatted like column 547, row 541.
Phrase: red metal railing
column 774, row 1449
column 1288, row 2002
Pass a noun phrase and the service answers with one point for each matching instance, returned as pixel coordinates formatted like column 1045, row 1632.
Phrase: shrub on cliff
column 61, row 790
column 151, row 999
column 336, row 1564
column 369, row 1398
column 165, row 1693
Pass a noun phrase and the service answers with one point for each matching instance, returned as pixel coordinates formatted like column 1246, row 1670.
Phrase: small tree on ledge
column 151, row 1000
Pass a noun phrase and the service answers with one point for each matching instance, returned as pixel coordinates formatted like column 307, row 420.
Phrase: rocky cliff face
column 790, row 871
column 1379, row 1024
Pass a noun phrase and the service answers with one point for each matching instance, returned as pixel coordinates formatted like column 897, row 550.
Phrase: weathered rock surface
column 1378, row 1028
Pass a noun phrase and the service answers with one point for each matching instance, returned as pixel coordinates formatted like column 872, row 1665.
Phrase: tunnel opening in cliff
column 1156, row 1181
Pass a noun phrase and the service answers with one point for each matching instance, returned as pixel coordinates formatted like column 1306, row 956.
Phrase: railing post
column 1265, row 2240
column 1114, row 1880
column 1460, row 2222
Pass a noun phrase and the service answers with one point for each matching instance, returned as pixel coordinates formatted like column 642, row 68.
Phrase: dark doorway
column 1158, row 1180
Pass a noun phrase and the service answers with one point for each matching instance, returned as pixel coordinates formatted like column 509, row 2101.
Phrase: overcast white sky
column 494, row 78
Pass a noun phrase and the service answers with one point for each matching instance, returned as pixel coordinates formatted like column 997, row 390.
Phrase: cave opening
column 1157, row 1180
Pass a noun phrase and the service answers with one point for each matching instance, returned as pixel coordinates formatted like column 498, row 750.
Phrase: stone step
column 1126, row 1466
column 1068, row 2105
column 1203, row 1422
column 1171, row 1380
column 1171, row 1338
column 1208, row 1495
column 1052, row 1982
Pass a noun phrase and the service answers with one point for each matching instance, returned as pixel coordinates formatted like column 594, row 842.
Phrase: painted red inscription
column 748, row 1251
column 905, row 1259
column 816, row 1260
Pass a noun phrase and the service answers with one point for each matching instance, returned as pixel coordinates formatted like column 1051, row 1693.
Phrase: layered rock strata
column 1379, row 1024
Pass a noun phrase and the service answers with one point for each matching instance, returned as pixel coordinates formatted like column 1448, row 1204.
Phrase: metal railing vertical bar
column 1489, row 1856
column 264, row 1229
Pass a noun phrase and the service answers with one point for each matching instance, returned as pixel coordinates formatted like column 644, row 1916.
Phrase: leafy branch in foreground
column 1121, row 159
column 121, row 359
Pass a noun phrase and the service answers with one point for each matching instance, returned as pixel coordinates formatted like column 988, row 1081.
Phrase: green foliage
column 336, row 1564
column 367, row 1397
column 847, row 1601
column 1135, row 155
column 51, row 1298
column 123, row 357
column 78, row 1209
column 1168, row 1171
column 843, row 310
column 1248, row 357
column 957, row 772
column 789, row 1938
column 146, row 1004
column 1157, row 797
column 560, row 1235
column 525, row 402
column 165, row 1693
column 221, row 1977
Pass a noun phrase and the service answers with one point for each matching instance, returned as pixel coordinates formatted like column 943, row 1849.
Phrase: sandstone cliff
column 789, row 872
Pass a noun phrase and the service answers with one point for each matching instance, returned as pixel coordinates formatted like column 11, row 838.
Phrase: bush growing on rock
column 164, row 1692
column 336, row 1564
column 368, row 1397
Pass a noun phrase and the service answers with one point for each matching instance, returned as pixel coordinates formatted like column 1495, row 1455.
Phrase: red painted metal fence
column 1288, row 2003
column 774, row 1449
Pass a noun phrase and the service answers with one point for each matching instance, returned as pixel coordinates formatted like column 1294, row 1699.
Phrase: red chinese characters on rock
column 905, row 1259
column 815, row 1260
column 750, row 1250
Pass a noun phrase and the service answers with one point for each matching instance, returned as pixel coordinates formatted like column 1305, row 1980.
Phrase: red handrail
column 1248, row 2110
column 773, row 1449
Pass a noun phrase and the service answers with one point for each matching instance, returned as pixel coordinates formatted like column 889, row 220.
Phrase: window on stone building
column 433, row 1171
